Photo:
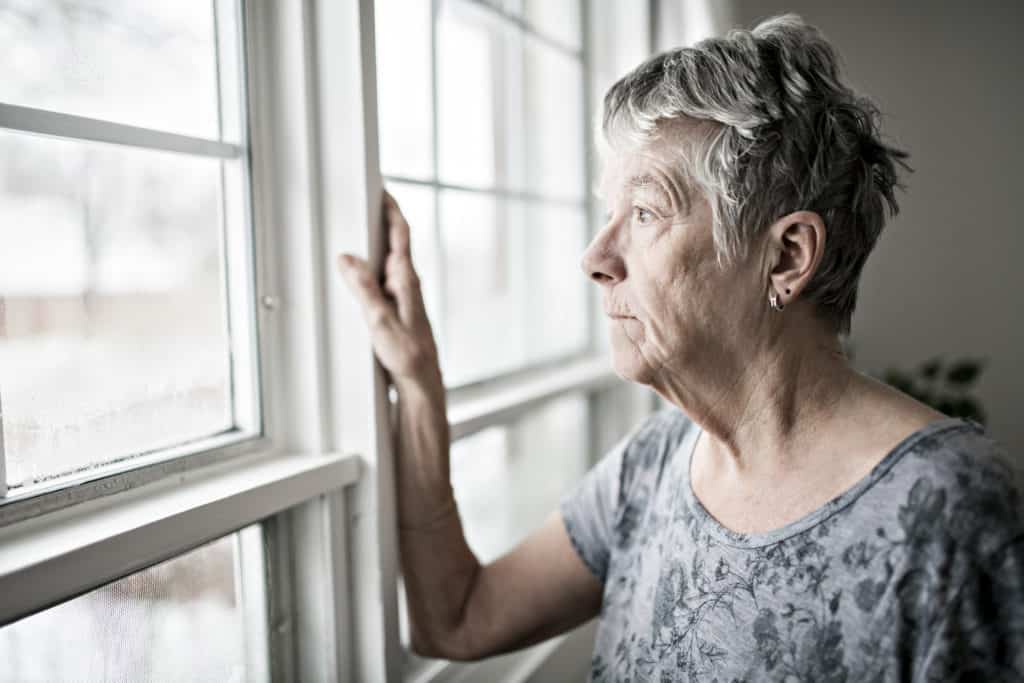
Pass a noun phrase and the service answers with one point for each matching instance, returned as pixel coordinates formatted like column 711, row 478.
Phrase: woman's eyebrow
column 641, row 180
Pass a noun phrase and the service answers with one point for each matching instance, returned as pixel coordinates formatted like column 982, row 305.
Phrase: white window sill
column 79, row 548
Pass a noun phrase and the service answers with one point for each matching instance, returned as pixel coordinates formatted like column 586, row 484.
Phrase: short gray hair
column 779, row 132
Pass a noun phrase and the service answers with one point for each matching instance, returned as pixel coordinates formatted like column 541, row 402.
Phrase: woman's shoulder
column 967, row 481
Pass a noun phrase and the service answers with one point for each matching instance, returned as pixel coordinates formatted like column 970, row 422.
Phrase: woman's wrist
column 425, row 387
column 429, row 521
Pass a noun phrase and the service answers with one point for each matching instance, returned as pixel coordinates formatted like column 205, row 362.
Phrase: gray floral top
column 914, row 574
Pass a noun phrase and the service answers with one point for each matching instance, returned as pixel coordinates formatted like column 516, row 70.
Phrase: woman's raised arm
column 458, row 608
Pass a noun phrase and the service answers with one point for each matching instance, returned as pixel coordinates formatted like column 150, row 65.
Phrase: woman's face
column 671, row 308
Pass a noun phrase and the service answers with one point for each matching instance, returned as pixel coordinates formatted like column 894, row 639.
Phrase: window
column 193, row 437
column 482, row 141
column 484, row 117
column 126, row 324
column 159, row 478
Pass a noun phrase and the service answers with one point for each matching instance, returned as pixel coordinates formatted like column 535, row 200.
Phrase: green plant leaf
column 930, row 369
column 964, row 373
column 899, row 380
column 969, row 408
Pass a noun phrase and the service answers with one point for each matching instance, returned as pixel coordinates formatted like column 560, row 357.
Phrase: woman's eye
column 642, row 216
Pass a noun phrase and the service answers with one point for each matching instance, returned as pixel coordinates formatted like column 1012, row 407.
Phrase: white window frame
column 57, row 544
column 319, row 477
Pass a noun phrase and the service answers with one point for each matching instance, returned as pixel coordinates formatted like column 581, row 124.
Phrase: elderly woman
column 788, row 518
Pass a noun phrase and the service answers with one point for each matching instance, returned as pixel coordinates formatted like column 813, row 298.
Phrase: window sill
column 76, row 549
column 562, row 658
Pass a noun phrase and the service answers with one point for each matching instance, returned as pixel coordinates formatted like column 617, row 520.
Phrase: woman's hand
column 395, row 314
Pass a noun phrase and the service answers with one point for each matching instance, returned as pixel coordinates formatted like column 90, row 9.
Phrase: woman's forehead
column 652, row 168
column 629, row 169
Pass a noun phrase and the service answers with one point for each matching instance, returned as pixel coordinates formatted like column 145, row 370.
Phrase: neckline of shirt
column 814, row 518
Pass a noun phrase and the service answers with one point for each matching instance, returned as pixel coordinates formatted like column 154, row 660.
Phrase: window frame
column 82, row 534
column 244, row 319
column 319, row 477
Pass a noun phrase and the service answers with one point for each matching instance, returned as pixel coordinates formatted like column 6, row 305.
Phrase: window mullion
column 440, row 255
column 69, row 126
column 345, row 116
column 251, row 596
column 284, row 187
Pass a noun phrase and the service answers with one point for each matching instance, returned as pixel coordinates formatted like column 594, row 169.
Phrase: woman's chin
column 630, row 365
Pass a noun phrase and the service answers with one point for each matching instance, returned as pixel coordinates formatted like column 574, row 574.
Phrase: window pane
column 177, row 621
column 507, row 480
column 468, row 42
column 510, row 106
column 150, row 64
column 484, row 288
column 555, row 127
column 514, row 292
column 113, row 331
column 557, row 20
column 556, row 311
column 404, row 88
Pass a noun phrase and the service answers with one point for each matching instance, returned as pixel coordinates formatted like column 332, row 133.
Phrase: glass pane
column 468, row 85
column 507, row 480
column 556, row 309
column 404, row 88
column 150, row 64
column 113, row 331
column 177, row 621
column 514, row 292
column 554, row 126
column 557, row 20
column 484, row 288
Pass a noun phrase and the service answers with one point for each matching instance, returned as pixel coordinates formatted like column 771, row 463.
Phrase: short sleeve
column 589, row 511
column 981, row 638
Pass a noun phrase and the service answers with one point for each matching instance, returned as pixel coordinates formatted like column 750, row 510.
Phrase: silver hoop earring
column 775, row 302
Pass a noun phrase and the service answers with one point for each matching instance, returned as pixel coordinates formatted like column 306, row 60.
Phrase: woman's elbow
column 449, row 646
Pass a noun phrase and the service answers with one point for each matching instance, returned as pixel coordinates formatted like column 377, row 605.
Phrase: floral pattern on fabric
column 914, row 574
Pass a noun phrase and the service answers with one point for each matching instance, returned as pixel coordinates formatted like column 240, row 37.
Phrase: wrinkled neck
column 758, row 404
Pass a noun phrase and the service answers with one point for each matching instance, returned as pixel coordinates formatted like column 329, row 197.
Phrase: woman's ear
column 796, row 244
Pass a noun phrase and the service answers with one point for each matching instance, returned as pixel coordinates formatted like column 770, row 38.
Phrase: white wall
column 948, row 273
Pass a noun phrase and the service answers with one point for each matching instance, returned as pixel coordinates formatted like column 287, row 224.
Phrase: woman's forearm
column 438, row 567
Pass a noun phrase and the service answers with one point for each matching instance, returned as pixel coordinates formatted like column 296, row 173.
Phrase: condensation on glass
column 122, row 269
column 182, row 620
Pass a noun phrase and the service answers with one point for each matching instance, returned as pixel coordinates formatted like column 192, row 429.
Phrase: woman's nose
column 601, row 261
